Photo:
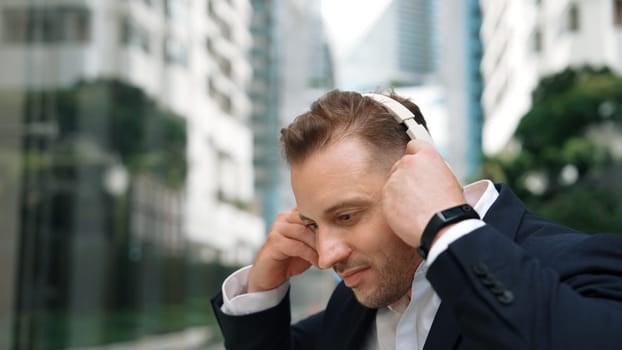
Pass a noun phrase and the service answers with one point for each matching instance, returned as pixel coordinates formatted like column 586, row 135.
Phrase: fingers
column 303, row 251
column 283, row 248
column 290, row 226
column 413, row 147
column 416, row 146
column 296, row 232
column 289, row 250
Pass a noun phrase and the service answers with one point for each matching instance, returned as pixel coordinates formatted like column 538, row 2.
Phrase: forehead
column 339, row 174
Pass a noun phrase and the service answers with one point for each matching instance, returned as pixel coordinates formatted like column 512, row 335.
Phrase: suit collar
column 502, row 215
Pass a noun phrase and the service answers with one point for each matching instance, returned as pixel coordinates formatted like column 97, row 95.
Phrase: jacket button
column 480, row 269
column 506, row 297
column 489, row 281
column 498, row 289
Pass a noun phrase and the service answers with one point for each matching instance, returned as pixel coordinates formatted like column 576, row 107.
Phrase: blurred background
column 139, row 155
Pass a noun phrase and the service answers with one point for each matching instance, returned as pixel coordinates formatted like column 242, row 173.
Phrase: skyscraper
column 431, row 51
column 292, row 66
column 264, row 91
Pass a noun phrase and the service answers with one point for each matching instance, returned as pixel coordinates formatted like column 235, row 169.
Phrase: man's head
column 343, row 114
column 340, row 153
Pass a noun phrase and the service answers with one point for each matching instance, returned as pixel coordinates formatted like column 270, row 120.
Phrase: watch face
column 453, row 212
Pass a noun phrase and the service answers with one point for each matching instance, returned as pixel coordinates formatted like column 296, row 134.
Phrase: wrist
column 261, row 281
column 440, row 224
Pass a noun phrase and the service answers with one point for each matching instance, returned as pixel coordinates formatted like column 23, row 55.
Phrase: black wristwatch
column 442, row 219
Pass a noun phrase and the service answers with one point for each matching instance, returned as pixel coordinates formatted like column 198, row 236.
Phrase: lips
column 353, row 277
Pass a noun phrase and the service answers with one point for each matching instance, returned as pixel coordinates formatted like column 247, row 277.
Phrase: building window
column 227, row 178
column 177, row 9
column 46, row 25
column 537, row 41
column 225, row 29
column 134, row 35
column 618, row 13
column 222, row 99
column 225, row 66
column 573, row 18
column 209, row 45
column 175, row 52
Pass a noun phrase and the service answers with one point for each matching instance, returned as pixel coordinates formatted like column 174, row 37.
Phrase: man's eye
column 345, row 217
column 312, row 227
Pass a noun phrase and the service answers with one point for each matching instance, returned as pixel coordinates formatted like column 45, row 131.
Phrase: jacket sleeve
column 268, row 329
column 561, row 292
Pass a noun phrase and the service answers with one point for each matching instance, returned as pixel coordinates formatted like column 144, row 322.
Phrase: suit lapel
column 444, row 333
column 347, row 323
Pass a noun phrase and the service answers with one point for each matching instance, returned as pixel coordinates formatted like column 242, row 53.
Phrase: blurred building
column 190, row 57
column 226, row 119
column 398, row 49
column 526, row 40
column 292, row 66
column 459, row 70
column 430, row 51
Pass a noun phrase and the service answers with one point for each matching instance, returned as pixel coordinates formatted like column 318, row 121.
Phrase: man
column 365, row 197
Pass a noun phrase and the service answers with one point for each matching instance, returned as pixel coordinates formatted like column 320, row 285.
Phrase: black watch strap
column 442, row 219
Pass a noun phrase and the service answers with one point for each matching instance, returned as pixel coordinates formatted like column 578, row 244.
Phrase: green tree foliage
column 569, row 164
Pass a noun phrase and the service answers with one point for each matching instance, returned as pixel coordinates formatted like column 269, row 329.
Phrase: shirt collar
column 481, row 195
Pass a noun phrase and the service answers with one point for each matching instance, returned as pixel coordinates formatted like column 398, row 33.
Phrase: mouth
column 353, row 277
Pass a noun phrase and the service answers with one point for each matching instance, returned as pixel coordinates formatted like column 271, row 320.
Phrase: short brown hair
column 345, row 113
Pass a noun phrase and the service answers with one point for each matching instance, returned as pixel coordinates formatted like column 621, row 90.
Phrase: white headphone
column 403, row 116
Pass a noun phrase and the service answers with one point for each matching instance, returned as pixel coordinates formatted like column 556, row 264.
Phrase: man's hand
column 288, row 251
column 419, row 185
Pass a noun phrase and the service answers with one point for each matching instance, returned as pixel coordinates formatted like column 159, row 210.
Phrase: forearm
column 267, row 329
column 503, row 297
column 259, row 320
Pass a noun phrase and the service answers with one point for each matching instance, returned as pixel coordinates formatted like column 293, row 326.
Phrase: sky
column 347, row 20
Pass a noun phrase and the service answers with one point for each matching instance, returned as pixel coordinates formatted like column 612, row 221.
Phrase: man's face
column 338, row 192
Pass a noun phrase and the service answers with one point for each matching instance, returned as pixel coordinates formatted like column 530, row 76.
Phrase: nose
column 331, row 249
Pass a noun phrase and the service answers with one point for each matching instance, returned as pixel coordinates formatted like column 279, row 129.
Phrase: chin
column 383, row 293
column 374, row 300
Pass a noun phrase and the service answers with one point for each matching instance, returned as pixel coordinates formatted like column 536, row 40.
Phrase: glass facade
column 474, row 86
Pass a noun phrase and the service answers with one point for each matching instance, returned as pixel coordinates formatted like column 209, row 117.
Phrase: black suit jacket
column 519, row 282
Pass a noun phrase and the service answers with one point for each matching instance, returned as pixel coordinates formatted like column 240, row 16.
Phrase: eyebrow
column 354, row 201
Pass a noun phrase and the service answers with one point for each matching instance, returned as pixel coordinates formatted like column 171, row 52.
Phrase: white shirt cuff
column 236, row 300
column 452, row 234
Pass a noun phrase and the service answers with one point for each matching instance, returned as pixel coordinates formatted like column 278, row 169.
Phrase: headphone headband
column 403, row 116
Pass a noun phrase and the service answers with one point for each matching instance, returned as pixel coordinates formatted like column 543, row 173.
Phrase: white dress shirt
column 404, row 324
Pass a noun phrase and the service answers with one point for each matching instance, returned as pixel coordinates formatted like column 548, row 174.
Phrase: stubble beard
column 395, row 280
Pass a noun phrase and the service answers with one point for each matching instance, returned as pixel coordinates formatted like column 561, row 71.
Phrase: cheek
column 378, row 236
